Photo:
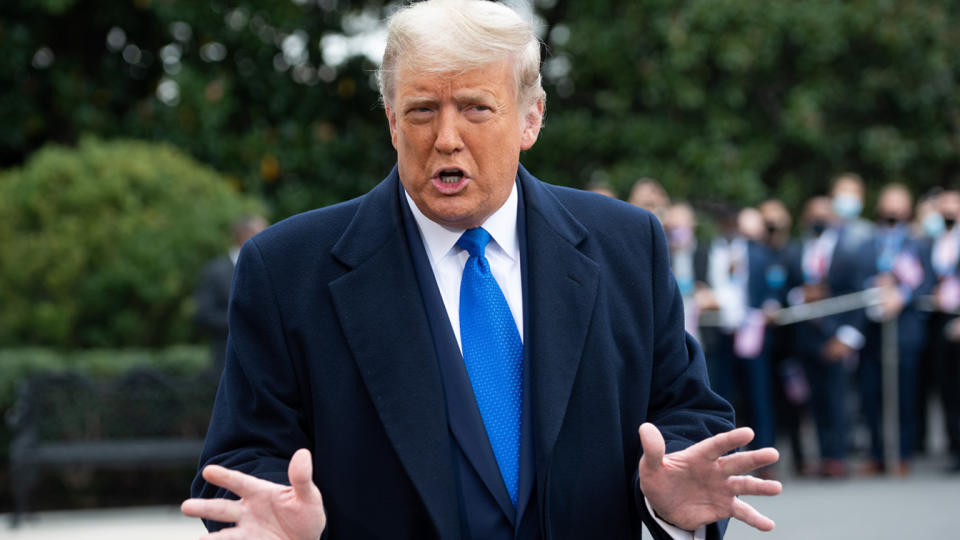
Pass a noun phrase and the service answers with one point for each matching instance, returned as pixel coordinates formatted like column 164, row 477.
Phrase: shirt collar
column 502, row 226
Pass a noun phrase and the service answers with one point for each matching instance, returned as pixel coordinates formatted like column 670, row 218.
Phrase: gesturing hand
column 265, row 510
column 699, row 485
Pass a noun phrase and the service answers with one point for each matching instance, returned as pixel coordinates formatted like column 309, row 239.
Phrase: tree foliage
column 742, row 99
column 101, row 245
column 242, row 86
column 733, row 99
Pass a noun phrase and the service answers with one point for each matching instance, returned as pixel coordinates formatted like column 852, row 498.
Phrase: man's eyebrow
column 473, row 96
column 409, row 101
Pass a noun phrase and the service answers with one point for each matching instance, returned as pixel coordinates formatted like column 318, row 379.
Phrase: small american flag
column 908, row 270
column 948, row 294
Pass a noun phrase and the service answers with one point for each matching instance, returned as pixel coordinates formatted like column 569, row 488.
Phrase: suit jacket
column 717, row 340
column 212, row 296
column 912, row 322
column 759, row 290
column 331, row 349
column 843, row 277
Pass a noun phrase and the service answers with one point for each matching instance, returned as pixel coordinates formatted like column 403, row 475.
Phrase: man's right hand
column 265, row 510
column 835, row 350
column 813, row 292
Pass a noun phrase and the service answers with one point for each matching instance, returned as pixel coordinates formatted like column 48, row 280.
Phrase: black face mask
column 949, row 222
column 889, row 221
column 771, row 229
column 817, row 227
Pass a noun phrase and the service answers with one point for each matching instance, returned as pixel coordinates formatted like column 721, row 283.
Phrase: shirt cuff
column 795, row 296
column 851, row 337
column 676, row 532
column 771, row 304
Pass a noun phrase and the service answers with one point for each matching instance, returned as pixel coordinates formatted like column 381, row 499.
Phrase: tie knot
column 474, row 241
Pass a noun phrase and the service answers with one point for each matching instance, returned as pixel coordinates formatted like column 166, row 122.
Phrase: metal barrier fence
column 890, row 356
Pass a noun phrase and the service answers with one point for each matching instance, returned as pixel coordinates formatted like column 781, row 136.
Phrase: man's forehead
column 847, row 185
column 490, row 78
column 819, row 206
column 950, row 199
column 422, row 92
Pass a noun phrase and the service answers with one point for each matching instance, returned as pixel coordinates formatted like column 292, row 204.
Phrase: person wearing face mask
column 944, row 324
column 927, row 221
column 826, row 345
column 791, row 390
column 893, row 261
column 847, row 196
column 926, row 227
column 688, row 259
column 737, row 351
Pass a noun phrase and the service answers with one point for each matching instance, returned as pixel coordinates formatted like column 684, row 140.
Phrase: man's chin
column 456, row 218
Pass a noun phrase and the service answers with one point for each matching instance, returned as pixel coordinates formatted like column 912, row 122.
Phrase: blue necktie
column 493, row 356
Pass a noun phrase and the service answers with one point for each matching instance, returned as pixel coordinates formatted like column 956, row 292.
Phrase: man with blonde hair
column 465, row 351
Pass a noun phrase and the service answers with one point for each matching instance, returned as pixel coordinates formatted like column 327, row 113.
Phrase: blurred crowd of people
column 738, row 282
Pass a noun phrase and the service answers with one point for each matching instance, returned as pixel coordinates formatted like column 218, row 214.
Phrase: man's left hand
column 701, row 484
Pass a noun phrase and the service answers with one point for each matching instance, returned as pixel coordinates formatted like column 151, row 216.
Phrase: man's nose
column 448, row 134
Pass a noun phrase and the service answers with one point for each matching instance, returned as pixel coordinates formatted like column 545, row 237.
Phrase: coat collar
column 382, row 315
column 560, row 290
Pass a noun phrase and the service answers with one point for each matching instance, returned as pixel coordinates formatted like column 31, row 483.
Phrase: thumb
column 653, row 446
column 300, row 473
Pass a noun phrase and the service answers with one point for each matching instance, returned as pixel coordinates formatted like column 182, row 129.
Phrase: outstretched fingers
column 749, row 515
column 723, row 443
column 239, row 483
column 225, row 510
column 750, row 485
column 744, row 462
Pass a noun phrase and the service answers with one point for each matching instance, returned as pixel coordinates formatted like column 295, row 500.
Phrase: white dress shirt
column 447, row 259
column 503, row 253
column 727, row 274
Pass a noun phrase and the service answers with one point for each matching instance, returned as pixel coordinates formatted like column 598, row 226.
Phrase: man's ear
column 392, row 121
column 532, row 121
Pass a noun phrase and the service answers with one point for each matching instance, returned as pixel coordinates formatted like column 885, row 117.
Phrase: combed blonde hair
column 454, row 36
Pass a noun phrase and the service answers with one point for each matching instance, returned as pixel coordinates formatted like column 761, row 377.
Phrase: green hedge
column 20, row 363
column 102, row 244
column 17, row 364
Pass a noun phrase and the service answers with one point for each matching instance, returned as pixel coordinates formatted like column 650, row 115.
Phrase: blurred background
column 143, row 140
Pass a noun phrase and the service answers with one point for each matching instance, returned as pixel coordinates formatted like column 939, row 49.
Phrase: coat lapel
column 561, row 297
column 382, row 315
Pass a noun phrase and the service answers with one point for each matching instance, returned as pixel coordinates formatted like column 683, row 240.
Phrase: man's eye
column 479, row 112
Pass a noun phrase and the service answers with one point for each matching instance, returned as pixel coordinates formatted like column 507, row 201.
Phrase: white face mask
column 933, row 224
column 847, row 206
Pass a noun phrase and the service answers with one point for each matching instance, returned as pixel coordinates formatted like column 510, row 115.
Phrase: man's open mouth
column 450, row 176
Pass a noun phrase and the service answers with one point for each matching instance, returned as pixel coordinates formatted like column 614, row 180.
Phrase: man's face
column 818, row 210
column 949, row 206
column 649, row 196
column 458, row 139
column 894, row 205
